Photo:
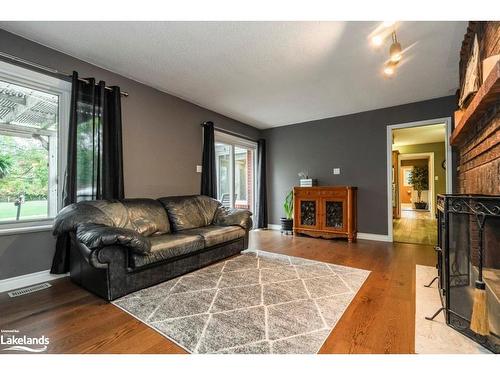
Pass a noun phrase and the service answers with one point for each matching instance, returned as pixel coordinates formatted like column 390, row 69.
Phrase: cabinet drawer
column 333, row 193
column 306, row 194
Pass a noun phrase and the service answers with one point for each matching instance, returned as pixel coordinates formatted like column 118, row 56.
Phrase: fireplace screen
column 469, row 259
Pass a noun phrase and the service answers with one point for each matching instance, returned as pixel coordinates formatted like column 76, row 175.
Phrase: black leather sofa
column 118, row 247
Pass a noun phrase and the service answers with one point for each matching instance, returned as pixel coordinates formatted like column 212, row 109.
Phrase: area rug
column 436, row 337
column 257, row 302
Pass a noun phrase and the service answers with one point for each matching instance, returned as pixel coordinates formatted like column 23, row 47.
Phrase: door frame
column 448, row 153
column 234, row 141
column 430, row 171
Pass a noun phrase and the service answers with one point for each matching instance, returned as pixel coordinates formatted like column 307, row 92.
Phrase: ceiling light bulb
column 389, row 69
column 395, row 52
column 377, row 40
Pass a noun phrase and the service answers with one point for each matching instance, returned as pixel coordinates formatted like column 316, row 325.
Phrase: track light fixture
column 395, row 49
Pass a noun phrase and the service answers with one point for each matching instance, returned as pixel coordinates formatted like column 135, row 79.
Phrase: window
column 33, row 120
column 235, row 164
column 406, row 176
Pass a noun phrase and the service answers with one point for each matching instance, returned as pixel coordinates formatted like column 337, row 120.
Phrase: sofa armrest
column 97, row 236
column 227, row 217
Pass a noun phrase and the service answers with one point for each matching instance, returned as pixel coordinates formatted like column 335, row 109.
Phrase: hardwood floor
column 415, row 227
column 379, row 320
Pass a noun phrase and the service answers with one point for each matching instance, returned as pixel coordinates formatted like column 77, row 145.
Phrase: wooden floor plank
column 379, row 320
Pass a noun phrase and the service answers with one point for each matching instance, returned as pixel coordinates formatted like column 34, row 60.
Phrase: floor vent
column 28, row 290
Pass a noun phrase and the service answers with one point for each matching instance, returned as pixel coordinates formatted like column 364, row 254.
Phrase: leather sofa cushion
column 225, row 217
column 114, row 210
column 147, row 216
column 97, row 236
column 166, row 246
column 215, row 235
column 70, row 217
column 187, row 212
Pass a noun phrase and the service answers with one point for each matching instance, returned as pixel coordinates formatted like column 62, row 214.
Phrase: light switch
column 198, row 169
column 436, row 178
column 336, row 170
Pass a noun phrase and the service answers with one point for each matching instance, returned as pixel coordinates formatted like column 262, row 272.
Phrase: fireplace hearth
column 464, row 244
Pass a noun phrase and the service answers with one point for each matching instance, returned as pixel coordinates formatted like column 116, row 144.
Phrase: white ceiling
column 265, row 74
column 418, row 135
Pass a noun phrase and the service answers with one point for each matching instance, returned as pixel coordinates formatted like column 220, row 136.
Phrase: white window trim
column 234, row 140
column 62, row 88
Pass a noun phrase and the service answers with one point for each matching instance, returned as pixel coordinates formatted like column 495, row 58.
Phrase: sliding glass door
column 235, row 163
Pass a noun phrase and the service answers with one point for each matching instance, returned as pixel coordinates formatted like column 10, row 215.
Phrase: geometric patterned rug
column 257, row 302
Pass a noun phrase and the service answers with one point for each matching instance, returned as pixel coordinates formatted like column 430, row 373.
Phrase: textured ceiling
column 265, row 74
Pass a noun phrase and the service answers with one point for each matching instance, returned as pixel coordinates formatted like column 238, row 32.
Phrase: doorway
column 235, row 168
column 419, row 168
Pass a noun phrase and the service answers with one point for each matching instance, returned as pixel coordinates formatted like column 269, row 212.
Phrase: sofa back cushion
column 68, row 219
column 114, row 211
column 190, row 211
column 147, row 216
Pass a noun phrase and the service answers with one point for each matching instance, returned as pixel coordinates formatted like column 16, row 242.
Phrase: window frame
column 56, row 86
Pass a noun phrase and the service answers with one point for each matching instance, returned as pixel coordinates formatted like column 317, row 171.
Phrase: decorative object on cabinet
column 287, row 221
column 325, row 211
column 308, row 182
column 305, row 180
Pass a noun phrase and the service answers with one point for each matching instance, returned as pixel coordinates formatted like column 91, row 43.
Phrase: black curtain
column 208, row 171
column 95, row 156
column 261, row 196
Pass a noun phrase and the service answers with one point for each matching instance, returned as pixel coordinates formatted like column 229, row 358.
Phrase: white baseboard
column 274, row 226
column 27, row 280
column 361, row 236
column 374, row 237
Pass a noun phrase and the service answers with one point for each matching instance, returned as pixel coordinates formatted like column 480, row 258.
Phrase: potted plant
column 287, row 221
column 419, row 179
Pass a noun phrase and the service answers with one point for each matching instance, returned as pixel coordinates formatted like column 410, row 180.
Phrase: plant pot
column 420, row 205
column 286, row 225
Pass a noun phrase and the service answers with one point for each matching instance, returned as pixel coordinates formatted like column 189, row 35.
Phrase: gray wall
column 356, row 143
column 162, row 144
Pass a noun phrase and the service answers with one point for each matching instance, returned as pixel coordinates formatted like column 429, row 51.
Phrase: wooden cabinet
column 325, row 211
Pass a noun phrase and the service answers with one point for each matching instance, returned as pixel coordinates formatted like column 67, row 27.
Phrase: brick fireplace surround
column 477, row 146
column 478, row 149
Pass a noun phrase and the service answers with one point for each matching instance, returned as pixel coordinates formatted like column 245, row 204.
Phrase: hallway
column 415, row 227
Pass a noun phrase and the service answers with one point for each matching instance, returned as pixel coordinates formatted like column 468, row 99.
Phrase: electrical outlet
column 198, row 169
column 336, row 170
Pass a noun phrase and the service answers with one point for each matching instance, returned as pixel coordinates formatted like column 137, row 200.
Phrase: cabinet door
column 308, row 213
column 334, row 214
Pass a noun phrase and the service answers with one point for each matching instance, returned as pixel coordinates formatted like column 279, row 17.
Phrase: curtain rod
column 47, row 69
column 232, row 133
